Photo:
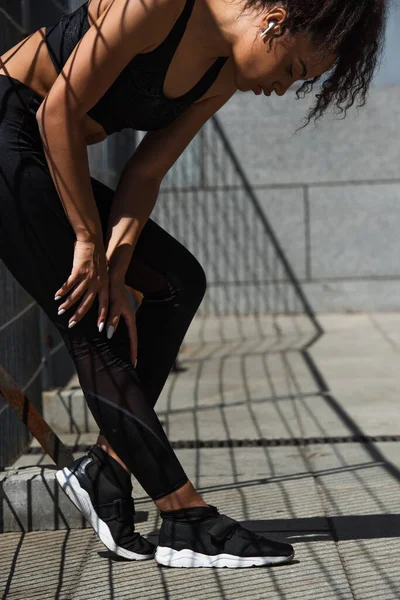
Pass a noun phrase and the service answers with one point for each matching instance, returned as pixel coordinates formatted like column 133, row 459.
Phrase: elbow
column 50, row 117
column 46, row 114
column 57, row 130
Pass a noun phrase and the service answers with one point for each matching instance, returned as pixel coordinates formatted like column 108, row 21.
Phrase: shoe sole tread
column 81, row 499
column 169, row 557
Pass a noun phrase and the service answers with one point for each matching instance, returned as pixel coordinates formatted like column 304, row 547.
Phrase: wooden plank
column 31, row 417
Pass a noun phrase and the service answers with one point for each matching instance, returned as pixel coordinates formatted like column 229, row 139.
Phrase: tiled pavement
column 338, row 503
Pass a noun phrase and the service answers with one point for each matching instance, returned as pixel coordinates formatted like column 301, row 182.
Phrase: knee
column 190, row 280
column 198, row 282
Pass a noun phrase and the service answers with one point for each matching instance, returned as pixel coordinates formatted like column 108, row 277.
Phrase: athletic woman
column 165, row 67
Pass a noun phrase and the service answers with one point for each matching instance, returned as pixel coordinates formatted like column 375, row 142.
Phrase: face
column 264, row 67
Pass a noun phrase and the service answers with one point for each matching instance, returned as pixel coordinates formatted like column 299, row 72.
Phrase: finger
column 103, row 307
column 112, row 323
column 130, row 321
column 67, row 286
column 73, row 297
column 84, row 306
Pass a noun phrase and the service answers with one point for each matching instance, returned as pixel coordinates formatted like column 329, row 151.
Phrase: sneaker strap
column 223, row 528
column 122, row 509
column 195, row 513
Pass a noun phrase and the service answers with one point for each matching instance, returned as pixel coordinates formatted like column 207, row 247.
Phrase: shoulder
column 160, row 14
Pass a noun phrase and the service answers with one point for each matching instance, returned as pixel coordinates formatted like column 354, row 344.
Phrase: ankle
column 185, row 497
column 104, row 445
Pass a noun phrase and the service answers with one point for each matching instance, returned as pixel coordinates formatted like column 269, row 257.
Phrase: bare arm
column 67, row 157
column 138, row 189
column 125, row 29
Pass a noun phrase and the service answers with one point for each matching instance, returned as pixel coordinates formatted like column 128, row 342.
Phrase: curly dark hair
column 354, row 30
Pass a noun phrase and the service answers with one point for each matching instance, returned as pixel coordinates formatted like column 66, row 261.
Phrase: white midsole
column 81, row 499
column 187, row 558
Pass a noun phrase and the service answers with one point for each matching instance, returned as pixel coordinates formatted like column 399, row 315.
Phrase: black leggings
column 36, row 245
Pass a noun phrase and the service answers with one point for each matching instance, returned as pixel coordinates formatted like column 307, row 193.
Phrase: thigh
column 36, row 238
column 161, row 262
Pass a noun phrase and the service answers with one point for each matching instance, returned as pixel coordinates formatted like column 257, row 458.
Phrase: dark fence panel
column 31, row 349
column 20, row 354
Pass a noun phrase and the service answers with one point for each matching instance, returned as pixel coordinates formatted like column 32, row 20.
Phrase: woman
column 162, row 66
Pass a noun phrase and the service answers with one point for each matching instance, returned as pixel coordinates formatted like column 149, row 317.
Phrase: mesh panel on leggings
column 115, row 398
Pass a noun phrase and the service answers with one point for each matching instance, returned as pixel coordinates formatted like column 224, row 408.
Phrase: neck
column 219, row 18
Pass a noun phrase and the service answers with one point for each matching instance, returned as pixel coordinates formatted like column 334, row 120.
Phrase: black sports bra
column 136, row 99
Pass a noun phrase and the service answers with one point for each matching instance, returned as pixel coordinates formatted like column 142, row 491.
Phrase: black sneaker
column 103, row 496
column 202, row 537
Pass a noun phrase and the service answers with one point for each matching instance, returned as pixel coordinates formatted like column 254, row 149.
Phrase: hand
column 89, row 277
column 120, row 306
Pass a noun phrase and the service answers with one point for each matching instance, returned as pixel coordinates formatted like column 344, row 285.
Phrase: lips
column 259, row 90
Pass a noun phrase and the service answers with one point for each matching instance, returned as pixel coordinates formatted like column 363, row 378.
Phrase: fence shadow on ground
column 250, row 414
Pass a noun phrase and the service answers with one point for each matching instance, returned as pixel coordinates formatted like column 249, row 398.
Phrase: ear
column 278, row 16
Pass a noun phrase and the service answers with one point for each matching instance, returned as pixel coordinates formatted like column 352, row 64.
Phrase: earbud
column 270, row 26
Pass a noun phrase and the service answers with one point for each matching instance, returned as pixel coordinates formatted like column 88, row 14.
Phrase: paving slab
column 371, row 403
column 228, row 335
column 353, row 481
column 370, row 568
column 360, row 366
column 315, row 573
column 389, row 325
column 42, row 565
column 360, row 492
column 390, row 452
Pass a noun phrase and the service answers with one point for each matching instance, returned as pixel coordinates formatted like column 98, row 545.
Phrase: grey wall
column 331, row 191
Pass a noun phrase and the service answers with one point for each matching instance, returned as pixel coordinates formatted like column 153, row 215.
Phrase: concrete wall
column 331, row 191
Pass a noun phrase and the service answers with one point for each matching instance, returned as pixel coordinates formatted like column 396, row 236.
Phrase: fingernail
column 101, row 326
column 110, row 332
column 135, row 365
column 72, row 324
column 57, row 297
column 61, row 311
